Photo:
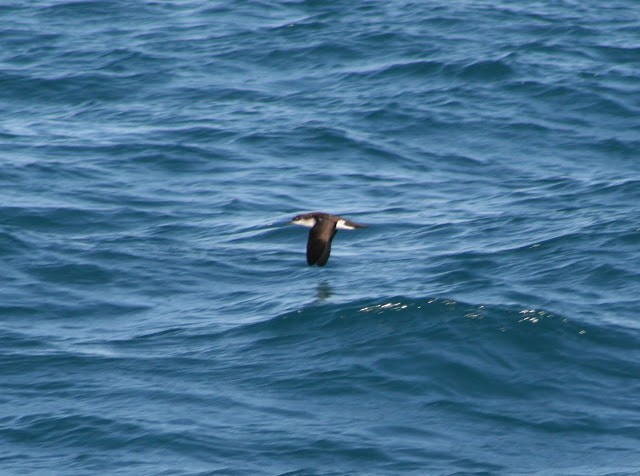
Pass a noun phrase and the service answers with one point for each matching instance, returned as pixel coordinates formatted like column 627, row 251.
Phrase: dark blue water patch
column 122, row 61
column 357, row 330
column 322, row 52
column 64, row 169
column 10, row 242
column 17, row 342
column 72, row 273
column 58, row 302
column 418, row 68
column 70, row 88
column 434, row 354
column 488, row 70
column 28, row 48
column 616, row 148
column 159, row 317
column 235, row 94
column 82, row 220
column 609, row 107
column 115, row 10
column 69, row 430
column 625, row 54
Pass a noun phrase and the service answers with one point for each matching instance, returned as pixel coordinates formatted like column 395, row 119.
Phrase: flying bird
column 323, row 228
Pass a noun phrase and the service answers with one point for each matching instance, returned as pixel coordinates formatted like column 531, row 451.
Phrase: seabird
column 323, row 228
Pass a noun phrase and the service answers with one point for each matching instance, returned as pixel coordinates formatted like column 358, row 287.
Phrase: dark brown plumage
column 323, row 228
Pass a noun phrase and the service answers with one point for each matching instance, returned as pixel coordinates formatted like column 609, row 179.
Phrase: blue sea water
column 159, row 318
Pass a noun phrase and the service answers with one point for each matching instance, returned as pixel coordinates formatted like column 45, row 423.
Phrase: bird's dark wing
column 319, row 244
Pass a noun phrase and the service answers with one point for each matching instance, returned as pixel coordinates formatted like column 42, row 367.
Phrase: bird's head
column 306, row 219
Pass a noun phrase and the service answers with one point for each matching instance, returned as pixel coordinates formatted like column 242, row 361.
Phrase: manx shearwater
column 323, row 228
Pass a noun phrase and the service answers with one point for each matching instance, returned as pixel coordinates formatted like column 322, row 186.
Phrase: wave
column 429, row 334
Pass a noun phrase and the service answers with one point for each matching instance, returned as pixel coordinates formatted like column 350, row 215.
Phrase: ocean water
column 159, row 318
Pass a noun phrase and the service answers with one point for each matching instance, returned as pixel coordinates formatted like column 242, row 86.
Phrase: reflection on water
column 323, row 291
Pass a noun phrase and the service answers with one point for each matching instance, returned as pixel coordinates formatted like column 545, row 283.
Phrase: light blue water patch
column 158, row 313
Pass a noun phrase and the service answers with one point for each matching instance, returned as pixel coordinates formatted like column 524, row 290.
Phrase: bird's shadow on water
column 323, row 291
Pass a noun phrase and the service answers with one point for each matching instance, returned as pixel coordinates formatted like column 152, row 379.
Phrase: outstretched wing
column 319, row 244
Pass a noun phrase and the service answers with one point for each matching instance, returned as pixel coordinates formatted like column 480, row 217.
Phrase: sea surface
column 157, row 313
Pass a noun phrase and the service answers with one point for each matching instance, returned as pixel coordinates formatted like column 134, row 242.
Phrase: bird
column 323, row 228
